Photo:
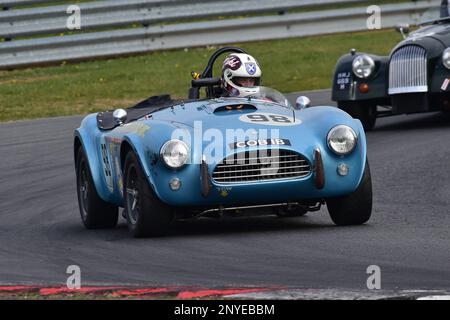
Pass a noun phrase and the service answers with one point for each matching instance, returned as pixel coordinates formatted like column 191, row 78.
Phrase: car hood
column 433, row 38
column 306, row 127
column 220, row 114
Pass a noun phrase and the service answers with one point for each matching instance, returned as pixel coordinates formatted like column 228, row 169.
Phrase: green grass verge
column 288, row 65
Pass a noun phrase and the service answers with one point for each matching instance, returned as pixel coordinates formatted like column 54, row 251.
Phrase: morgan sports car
column 414, row 78
column 164, row 160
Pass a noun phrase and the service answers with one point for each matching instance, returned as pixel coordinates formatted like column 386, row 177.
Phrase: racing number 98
column 269, row 118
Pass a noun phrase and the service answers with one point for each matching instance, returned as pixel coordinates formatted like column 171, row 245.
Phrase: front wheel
column 355, row 208
column 95, row 213
column 365, row 111
column 146, row 215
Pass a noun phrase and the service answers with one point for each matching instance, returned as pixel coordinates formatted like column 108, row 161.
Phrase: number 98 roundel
column 269, row 119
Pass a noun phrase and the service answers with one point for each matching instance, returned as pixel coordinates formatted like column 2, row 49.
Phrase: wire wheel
column 132, row 194
column 83, row 188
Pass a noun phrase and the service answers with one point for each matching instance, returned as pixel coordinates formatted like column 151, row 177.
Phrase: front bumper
column 199, row 190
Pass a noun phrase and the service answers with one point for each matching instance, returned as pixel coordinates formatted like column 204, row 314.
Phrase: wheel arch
column 362, row 141
column 82, row 139
column 135, row 144
column 125, row 147
column 76, row 146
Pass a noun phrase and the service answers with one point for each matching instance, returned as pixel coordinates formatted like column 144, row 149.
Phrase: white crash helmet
column 241, row 75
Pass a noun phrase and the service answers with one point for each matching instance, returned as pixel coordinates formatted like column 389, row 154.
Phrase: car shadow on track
column 214, row 226
column 223, row 227
column 414, row 122
column 251, row 225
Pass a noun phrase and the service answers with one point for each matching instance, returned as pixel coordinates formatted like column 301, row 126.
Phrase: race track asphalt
column 408, row 236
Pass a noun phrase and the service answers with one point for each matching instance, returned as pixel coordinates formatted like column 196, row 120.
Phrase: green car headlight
column 363, row 66
column 446, row 58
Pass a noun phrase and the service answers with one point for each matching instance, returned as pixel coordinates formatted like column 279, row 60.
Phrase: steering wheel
column 206, row 78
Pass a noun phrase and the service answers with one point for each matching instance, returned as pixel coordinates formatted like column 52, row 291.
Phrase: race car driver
column 241, row 75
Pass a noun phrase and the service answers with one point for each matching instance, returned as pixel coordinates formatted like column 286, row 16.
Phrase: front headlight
column 174, row 153
column 446, row 58
column 363, row 66
column 342, row 140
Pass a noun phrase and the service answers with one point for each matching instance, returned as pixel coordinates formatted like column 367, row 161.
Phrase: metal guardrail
column 118, row 13
column 6, row 4
column 20, row 53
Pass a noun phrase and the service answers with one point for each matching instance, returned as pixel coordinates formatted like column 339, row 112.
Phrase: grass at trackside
column 288, row 65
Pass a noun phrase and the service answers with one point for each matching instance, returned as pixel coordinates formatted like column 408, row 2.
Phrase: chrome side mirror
column 302, row 102
column 403, row 28
column 120, row 115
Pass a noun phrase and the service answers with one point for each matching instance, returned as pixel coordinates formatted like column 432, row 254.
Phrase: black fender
column 345, row 86
column 439, row 74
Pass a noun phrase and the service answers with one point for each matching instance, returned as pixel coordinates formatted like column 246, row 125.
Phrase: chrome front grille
column 261, row 165
column 408, row 70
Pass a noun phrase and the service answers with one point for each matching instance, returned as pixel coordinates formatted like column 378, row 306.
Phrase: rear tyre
column 95, row 213
column 146, row 215
column 365, row 111
column 355, row 208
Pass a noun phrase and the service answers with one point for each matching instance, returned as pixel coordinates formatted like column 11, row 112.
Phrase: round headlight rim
column 446, row 51
column 164, row 146
column 371, row 62
column 353, row 133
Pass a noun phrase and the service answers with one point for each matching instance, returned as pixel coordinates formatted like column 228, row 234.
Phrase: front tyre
column 146, row 215
column 365, row 111
column 355, row 208
column 95, row 213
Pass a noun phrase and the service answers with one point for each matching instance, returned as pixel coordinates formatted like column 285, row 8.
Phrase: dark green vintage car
column 414, row 78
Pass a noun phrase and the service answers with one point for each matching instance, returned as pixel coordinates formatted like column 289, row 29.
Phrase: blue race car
column 164, row 159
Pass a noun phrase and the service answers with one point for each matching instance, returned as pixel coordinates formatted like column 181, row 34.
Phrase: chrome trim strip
column 269, row 158
column 259, row 169
column 249, row 207
column 408, row 89
column 261, row 175
column 219, row 166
